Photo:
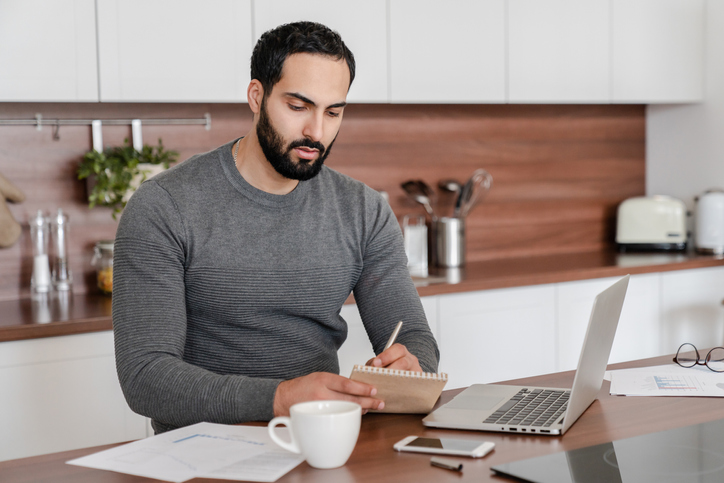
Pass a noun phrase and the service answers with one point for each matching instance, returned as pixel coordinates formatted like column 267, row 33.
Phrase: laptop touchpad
column 478, row 402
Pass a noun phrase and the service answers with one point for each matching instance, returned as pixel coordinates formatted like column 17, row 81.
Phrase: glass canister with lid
column 103, row 261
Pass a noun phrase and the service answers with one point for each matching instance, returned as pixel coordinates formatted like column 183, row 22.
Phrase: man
column 231, row 268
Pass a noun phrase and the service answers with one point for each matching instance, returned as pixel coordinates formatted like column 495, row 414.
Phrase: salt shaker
column 40, row 235
column 62, row 278
column 415, row 237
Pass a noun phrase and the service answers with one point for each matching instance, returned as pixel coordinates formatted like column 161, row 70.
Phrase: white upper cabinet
column 658, row 50
column 407, row 51
column 362, row 25
column 48, row 51
column 447, row 51
column 174, row 51
column 559, row 51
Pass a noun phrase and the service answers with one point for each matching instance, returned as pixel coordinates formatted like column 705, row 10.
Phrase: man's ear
column 254, row 94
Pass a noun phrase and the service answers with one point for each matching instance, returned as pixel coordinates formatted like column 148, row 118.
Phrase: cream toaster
column 651, row 223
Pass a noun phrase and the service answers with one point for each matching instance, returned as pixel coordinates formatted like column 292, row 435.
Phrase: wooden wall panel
column 559, row 171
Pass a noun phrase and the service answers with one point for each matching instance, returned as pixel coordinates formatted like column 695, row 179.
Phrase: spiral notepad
column 402, row 391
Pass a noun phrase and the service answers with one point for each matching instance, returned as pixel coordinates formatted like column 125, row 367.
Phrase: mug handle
column 283, row 420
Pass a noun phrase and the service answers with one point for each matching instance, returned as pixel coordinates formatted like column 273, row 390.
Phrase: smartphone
column 459, row 447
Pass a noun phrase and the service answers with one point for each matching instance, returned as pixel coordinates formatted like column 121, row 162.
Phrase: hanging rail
column 39, row 122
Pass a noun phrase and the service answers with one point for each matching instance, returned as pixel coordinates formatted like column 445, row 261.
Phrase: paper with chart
column 203, row 450
column 667, row 380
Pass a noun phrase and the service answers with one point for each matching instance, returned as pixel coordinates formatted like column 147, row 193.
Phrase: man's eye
column 333, row 114
column 296, row 108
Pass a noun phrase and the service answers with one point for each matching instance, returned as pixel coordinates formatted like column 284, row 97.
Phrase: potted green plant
column 114, row 174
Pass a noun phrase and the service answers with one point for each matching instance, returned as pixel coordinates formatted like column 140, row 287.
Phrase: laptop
column 541, row 410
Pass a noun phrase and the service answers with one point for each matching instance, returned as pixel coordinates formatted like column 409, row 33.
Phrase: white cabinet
column 559, row 51
column 362, row 25
column 496, row 335
column 691, row 308
column 48, row 51
column 452, row 52
column 637, row 335
column 62, row 393
column 658, row 50
column 357, row 349
column 174, row 51
column 422, row 51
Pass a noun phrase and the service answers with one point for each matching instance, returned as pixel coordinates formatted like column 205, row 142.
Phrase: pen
column 446, row 463
column 394, row 335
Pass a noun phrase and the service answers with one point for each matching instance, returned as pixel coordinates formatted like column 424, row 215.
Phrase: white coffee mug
column 324, row 432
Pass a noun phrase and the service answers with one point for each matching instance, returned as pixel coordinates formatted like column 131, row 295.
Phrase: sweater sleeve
column 385, row 293
column 149, row 323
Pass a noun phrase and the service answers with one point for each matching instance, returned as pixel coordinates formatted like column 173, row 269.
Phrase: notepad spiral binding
column 442, row 376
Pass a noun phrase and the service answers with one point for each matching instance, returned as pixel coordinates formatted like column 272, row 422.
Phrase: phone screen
column 444, row 443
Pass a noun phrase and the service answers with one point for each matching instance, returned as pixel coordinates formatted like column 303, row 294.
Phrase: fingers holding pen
column 396, row 357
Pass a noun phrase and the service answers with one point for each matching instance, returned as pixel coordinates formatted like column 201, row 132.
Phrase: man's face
column 299, row 120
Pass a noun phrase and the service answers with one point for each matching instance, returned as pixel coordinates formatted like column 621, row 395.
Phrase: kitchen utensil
column 474, row 190
column 448, row 238
column 427, row 191
column 415, row 191
column 709, row 227
column 449, row 185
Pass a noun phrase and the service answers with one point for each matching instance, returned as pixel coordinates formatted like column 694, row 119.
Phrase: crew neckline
column 255, row 194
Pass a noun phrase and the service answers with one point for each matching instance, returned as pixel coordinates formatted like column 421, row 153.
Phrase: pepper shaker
column 62, row 278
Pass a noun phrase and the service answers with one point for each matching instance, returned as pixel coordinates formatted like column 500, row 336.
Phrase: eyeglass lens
column 715, row 359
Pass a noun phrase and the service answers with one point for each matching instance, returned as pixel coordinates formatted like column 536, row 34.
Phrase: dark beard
column 279, row 157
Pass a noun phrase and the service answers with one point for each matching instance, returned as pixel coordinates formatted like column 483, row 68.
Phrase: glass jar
column 103, row 261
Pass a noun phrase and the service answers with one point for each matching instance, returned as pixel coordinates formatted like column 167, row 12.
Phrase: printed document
column 203, row 450
column 667, row 380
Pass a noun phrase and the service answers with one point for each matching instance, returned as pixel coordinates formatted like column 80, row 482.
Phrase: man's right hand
column 320, row 386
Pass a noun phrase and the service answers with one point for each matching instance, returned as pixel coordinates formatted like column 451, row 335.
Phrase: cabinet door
column 48, row 51
column 691, row 308
column 559, row 51
column 174, row 51
column 62, row 393
column 658, row 50
column 448, row 52
column 362, row 25
column 495, row 335
column 638, row 333
column 357, row 349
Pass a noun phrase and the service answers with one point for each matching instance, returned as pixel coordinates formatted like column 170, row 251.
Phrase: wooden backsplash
column 559, row 171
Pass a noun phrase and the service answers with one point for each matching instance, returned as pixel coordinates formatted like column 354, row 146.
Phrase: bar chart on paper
column 676, row 383
column 667, row 381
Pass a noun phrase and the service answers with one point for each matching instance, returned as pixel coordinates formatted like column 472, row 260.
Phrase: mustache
column 308, row 143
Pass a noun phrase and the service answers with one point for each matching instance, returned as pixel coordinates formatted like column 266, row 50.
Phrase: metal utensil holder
column 448, row 242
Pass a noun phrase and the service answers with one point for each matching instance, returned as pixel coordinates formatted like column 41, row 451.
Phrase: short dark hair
column 274, row 46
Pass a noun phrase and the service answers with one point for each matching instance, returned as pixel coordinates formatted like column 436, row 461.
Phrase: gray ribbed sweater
column 221, row 291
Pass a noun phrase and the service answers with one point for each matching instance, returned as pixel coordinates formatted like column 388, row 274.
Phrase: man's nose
column 314, row 128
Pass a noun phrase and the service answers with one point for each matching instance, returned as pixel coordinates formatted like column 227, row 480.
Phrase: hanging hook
column 56, row 130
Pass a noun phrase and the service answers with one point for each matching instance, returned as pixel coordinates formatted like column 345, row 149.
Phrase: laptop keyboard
column 532, row 407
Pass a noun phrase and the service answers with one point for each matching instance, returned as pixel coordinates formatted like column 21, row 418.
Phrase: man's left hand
column 396, row 357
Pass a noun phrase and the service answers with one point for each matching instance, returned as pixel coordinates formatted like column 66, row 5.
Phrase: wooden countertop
column 80, row 313
column 518, row 272
column 609, row 418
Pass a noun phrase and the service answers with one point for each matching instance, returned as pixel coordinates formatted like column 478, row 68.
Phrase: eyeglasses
column 714, row 360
